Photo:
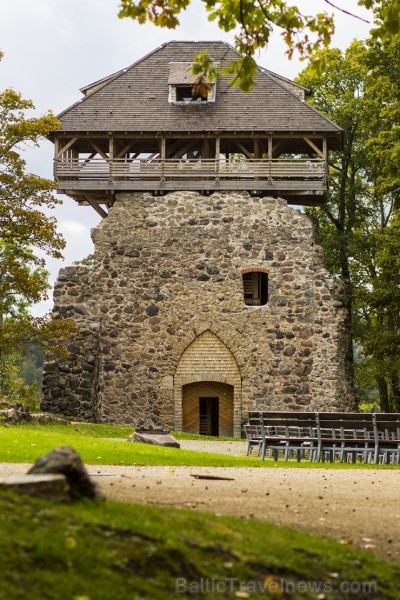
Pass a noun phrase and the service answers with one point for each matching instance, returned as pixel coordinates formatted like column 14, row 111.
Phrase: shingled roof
column 136, row 100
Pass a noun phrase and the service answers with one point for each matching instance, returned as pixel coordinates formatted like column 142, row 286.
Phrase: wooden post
column 111, row 154
column 256, row 143
column 270, row 158
column 205, row 150
column 217, row 153
column 325, row 148
column 325, row 155
column 162, row 156
column 56, row 150
column 256, row 153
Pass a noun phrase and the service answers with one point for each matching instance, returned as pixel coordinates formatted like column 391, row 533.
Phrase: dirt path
column 360, row 507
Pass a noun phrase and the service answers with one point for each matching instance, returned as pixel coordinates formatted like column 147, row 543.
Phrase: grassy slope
column 25, row 442
column 119, row 551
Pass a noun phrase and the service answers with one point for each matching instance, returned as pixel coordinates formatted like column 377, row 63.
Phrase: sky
column 54, row 47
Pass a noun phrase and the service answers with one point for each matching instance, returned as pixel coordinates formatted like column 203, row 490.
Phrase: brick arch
column 207, row 359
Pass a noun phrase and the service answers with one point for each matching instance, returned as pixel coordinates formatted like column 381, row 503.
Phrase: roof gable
column 136, row 99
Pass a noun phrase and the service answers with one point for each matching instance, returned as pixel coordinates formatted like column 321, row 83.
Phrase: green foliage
column 88, row 261
column 387, row 17
column 115, row 550
column 31, row 363
column 255, row 21
column 359, row 90
column 25, row 229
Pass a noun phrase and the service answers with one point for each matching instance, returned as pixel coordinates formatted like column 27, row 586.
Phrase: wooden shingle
column 136, row 100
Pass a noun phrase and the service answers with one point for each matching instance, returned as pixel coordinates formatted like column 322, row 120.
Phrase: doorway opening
column 207, row 408
column 209, row 416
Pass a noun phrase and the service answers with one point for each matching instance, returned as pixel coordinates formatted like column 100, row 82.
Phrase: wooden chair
column 346, row 435
column 253, row 437
column 288, row 433
column 388, row 434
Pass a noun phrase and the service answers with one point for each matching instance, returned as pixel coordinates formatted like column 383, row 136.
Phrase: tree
column 359, row 222
column 256, row 20
column 383, row 60
column 25, row 229
column 378, row 304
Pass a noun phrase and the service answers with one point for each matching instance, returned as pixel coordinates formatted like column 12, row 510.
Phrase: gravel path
column 359, row 507
column 238, row 448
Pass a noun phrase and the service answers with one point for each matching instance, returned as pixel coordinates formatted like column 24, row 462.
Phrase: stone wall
column 163, row 306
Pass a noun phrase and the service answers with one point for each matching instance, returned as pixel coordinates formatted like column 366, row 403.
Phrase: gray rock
column 48, row 486
column 48, row 418
column 158, row 439
column 66, row 461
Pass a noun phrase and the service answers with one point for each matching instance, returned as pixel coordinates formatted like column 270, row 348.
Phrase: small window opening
column 255, row 288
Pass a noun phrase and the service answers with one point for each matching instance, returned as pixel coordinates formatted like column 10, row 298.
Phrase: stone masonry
column 161, row 315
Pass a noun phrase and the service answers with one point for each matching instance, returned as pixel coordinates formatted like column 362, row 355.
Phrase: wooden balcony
column 301, row 181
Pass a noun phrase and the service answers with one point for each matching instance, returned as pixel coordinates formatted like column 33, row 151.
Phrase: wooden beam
column 96, row 207
column 244, row 150
column 151, row 157
column 95, row 146
column 124, row 150
column 183, row 149
column 89, row 158
column 67, row 145
column 314, row 147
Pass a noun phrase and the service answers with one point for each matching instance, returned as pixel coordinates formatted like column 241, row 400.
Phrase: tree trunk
column 1, row 360
column 383, row 394
column 395, row 404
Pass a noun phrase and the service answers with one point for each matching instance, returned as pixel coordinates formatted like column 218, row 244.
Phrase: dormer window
column 184, row 87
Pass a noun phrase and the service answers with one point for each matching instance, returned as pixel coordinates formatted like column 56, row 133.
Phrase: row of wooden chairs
column 321, row 436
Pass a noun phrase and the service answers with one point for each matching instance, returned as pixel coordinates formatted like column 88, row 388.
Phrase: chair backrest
column 252, row 431
column 346, row 425
column 388, row 425
column 288, row 423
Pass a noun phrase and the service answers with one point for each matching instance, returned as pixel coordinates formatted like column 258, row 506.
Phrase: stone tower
column 207, row 296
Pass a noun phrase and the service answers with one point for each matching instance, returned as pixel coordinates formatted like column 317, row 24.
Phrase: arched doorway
column 207, row 408
column 207, row 388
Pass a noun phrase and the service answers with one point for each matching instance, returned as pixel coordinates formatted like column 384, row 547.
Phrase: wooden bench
column 286, row 433
column 347, row 436
column 388, row 434
column 320, row 436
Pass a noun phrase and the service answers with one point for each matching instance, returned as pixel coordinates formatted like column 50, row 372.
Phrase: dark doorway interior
column 209, row 416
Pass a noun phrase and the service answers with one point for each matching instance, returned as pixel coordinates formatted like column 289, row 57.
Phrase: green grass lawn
column 106, row 444
column 115, row 551
column 25, row 442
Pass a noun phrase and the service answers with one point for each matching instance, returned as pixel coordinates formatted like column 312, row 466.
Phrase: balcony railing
column 300, row 181
column 173, row 169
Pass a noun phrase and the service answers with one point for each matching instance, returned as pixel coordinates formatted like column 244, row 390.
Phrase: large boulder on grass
column 158, row 438
column 66, row 461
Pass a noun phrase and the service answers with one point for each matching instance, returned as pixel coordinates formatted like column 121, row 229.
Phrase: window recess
column 255, row 288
